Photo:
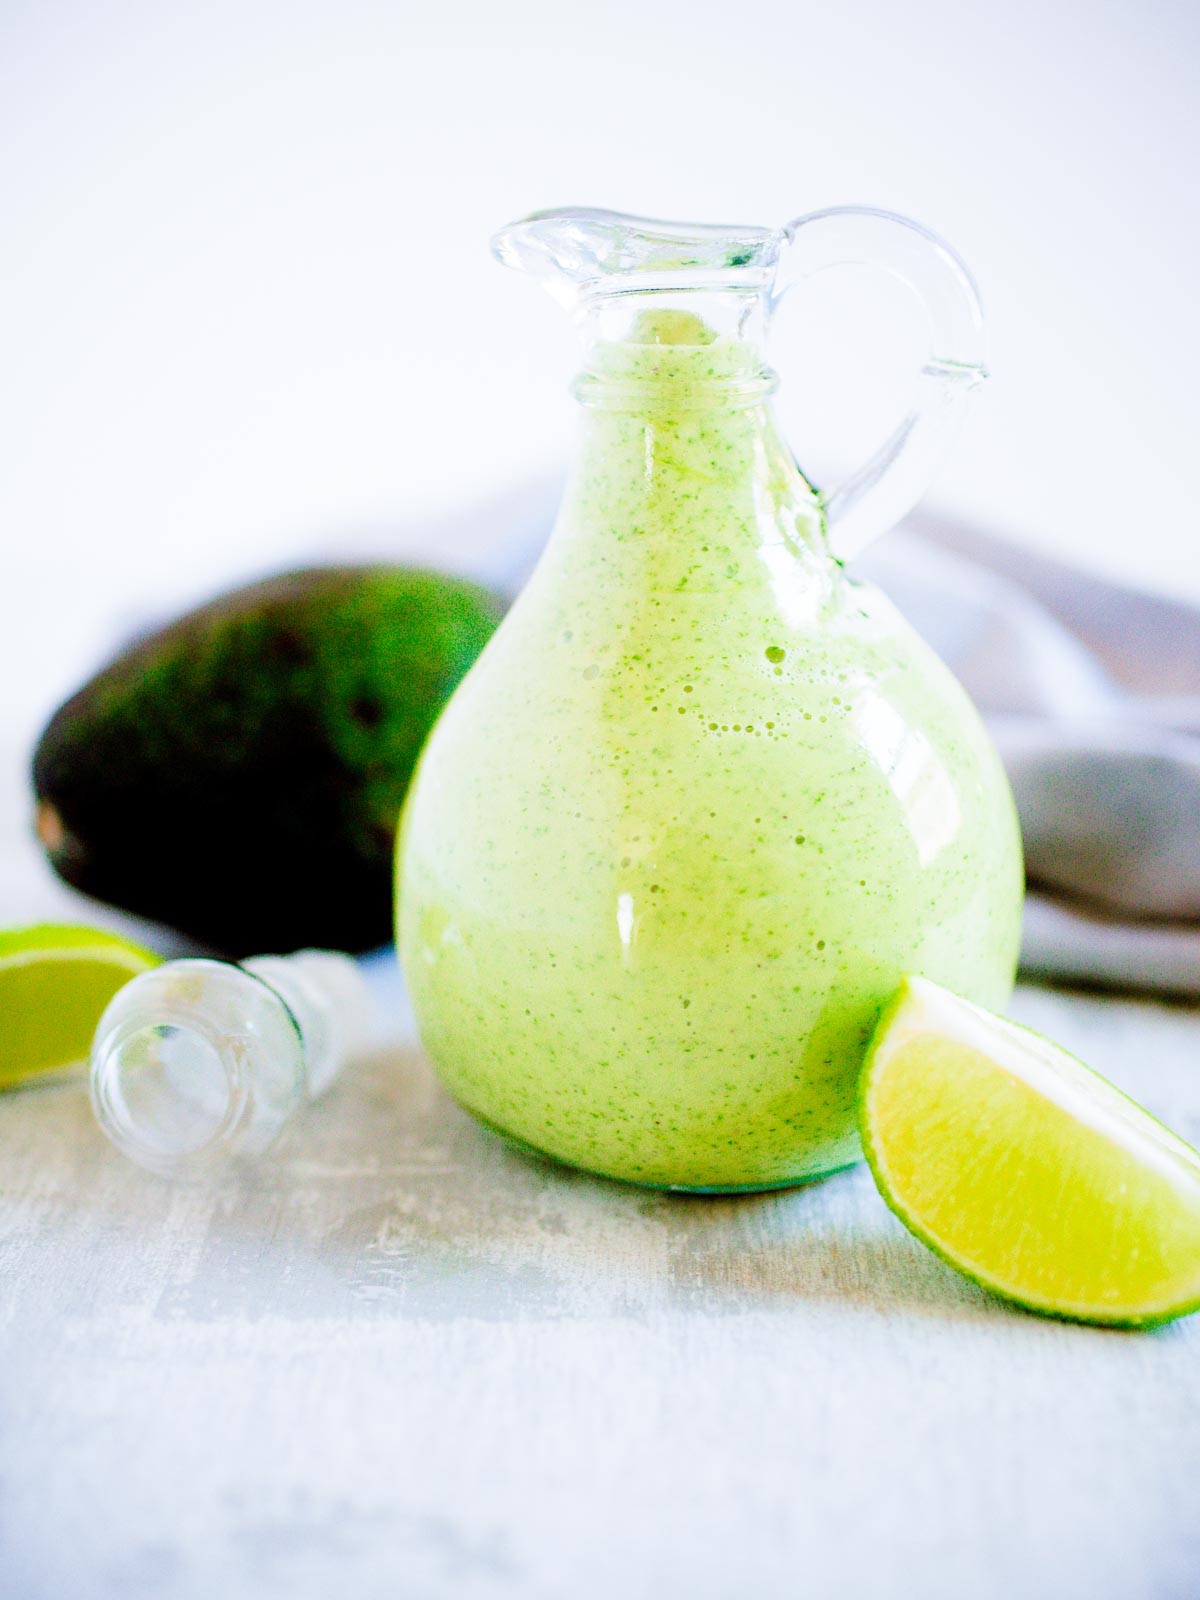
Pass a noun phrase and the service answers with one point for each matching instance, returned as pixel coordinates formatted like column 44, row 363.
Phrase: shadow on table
column 388, row 1200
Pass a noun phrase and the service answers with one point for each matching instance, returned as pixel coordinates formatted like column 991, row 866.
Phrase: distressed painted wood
column 401, row 1360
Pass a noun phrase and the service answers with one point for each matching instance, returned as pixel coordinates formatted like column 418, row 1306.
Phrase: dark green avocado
column 238, row 775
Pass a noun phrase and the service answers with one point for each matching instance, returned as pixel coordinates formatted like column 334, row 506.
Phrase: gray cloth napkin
column 1092, row 694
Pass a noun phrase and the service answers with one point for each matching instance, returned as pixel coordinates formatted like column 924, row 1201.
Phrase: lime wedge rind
column 111, row 958
column 919, row 1012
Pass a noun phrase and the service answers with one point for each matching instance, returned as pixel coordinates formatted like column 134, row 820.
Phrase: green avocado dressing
column 698, row 808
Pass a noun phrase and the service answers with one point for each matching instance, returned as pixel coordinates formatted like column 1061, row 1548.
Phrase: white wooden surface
column 401, row 1360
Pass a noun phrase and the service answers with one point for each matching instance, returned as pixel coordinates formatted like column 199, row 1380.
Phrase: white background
column 249, row 315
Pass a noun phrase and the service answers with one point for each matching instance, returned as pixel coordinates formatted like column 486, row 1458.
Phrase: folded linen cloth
column 1091, row 691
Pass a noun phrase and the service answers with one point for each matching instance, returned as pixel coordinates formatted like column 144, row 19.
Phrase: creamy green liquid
column 694, row 813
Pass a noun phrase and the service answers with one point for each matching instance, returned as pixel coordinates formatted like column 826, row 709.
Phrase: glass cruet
column 704, row 799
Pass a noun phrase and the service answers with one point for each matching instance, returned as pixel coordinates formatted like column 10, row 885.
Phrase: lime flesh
column 1026, row 1170
column 55, row 982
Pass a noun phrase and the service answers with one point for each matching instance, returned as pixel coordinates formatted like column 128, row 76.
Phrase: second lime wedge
column 55, row 981
column 1026, row 1170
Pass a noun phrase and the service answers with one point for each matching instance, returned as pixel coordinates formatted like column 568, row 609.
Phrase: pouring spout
column 579, row 252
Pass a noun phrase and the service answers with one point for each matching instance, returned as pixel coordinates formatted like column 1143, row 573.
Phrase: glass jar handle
column 890, row 483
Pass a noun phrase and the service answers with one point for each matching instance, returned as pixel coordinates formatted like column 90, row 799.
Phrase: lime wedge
column 55, row 982
column 1026, row 1170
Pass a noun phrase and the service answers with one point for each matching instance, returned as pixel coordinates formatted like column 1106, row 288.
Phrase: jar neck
column 674, row 474
column 674, row 350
